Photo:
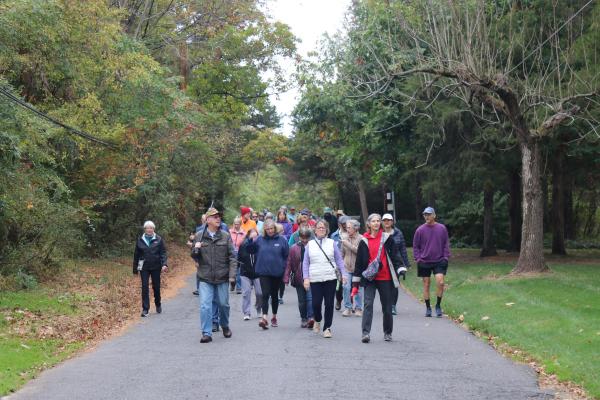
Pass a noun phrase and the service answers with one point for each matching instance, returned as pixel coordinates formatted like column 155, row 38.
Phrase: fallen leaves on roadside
column 461, row 318
column 485, row 318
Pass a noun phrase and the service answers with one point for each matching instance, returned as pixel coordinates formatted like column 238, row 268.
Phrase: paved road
column 161, row 358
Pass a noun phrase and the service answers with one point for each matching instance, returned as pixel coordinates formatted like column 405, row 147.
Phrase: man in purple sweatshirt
column 431, row 250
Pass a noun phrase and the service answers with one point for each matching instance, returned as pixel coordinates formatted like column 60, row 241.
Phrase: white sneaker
column 317, row 327
column 358, row 313
column 346, row 313
column 327, row 333
column 246, row 318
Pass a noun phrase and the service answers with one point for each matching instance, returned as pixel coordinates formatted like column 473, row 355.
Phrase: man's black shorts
column 424, row 270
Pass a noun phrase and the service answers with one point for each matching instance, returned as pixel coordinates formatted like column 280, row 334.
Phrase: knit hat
column 245, row 210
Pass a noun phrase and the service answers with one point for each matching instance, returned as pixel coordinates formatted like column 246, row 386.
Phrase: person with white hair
column 350, row 242
column 149, row 260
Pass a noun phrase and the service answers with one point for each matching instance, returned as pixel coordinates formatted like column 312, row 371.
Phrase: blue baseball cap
column 428, row 210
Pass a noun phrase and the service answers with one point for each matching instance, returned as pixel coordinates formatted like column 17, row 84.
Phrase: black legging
column 323, row 291
column 145, row 276
column 281, row 289
column 270, row 288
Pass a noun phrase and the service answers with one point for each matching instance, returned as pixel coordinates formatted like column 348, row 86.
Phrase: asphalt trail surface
column 161, row 358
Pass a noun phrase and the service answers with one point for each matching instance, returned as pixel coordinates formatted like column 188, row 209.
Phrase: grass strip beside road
column 85, row 302
column 554, row 318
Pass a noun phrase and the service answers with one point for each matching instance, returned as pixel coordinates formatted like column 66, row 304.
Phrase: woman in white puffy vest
column 321, row 259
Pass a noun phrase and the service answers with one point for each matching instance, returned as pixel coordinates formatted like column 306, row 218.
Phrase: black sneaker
column 428, row 312
column 394, row 310
column 438, row 311
column 366, row 339
column 196, row 293
column 215, row 327
column 144, row 313
column 338, row 305
column 206, row 339
column 227, row 332
column 158, row 309
column 387, row 337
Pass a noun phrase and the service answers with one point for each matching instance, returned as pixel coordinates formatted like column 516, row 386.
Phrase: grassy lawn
column 85, row 302
column 23, row 348
column 554, row 318
column 43, row 326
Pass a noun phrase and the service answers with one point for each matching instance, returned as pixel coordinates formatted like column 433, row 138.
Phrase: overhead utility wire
column 55, row 121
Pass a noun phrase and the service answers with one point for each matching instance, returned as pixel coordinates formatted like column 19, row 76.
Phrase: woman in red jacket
column 384, row 281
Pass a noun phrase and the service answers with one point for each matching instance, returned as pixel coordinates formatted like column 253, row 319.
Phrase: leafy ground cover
column 553, row 318
column 85, row 302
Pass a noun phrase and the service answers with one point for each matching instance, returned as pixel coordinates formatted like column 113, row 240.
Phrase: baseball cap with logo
column 387, row 216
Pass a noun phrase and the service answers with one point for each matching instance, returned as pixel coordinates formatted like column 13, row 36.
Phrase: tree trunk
column 341, row 197
column 418, row 199
column 489, row 247
column 590, row 224
column 362, row 196
column 183, row 65
column 545, row 202
column 570, row 229
column 514, row 212
column 531, row 257
column 558, row 207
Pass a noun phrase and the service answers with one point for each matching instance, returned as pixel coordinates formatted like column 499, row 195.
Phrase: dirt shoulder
column 105, row 297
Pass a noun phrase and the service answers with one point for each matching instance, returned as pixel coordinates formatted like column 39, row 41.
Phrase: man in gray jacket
column 217, row 264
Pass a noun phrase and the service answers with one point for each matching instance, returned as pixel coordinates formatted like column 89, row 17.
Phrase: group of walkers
column 328, row 262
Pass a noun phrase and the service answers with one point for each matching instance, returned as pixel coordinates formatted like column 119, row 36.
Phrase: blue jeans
column 209, row 294
column 304, row 303
column 358, row 304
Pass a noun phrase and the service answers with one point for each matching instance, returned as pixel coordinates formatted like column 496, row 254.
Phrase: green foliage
column 272, row 187
column 96, row 66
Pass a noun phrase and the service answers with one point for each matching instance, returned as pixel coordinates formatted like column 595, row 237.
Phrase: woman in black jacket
column 383, row 282
column 150, row 259
column 249, row 276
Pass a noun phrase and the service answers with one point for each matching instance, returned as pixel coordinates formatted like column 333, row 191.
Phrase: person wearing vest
column 386, row 279
column 321, row 258
column 249, row 277
column 150, row 259
column 293, row 275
